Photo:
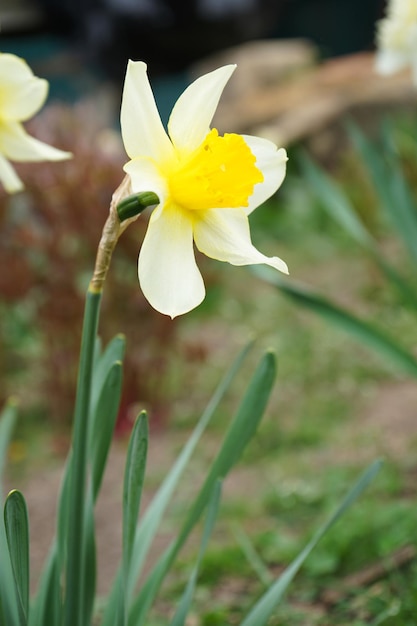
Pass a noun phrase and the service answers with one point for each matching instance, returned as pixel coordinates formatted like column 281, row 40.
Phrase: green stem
column 74, row 614
column 74, row 583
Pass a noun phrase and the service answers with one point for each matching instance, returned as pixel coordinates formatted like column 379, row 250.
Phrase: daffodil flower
column 207, row 185
column 397, row 38
column 21, row 96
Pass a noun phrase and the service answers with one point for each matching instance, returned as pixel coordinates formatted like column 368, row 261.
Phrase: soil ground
column 387, row 425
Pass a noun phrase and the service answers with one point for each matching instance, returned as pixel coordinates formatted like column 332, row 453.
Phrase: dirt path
column 41, row 491
column 388, row 426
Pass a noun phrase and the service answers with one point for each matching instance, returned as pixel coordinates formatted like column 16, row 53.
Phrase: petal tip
column 132, row 63
column 280, row 265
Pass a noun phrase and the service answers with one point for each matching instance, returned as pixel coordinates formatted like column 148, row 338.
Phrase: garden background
column 339, row 402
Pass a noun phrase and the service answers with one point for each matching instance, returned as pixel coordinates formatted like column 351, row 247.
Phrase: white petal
column 21, row 93
column 8, row 176
column 142, row 130
column 16, row 144
column 390, row 61
column 192, row 113
column 145, row 176
column 224, row 234
column 273, row 164
column 168, row 274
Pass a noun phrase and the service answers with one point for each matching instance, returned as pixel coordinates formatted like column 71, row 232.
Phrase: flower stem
column 75, row 566
column 73, row 610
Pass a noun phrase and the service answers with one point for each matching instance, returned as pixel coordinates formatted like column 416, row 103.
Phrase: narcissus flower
column 21, row 96
column 207, row 185
column 397, row 38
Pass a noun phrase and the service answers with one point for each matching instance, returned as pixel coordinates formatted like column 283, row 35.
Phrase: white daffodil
column 397, row 38
column 207, row 185
column 21, row 96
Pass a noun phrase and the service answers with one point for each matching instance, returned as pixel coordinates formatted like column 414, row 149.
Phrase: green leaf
column 133, row 484
column 403, row 287
column 63, row 513
column 364, row 332
column 263, row 609
column 153, row 515
column 10, row 615
column 400, row 203
column 253, row 557
column 11, row 609
column 132, row 491
column 103, row 421
column 373, row 159
column 47, row 606
column 17, row 534
column 237, row 437
column 98, row 352
column 339, row 207
column 336, row 202
column 114, row 353
column 391, row 187
column 89, row 575
column 404, row 210
column 77, row 478
column 185, row 602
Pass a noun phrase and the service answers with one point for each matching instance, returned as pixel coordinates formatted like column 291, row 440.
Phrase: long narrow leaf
column 132, row 492
column 77, row 488
column 46, row 608
column 336, row 202
column 17, row 534
column 114, row 352
column 264, row 608
column 90, row 565
column 151, row 520
column 9, row 601
column 339, row 208
column 237, row 437
column 403, row 209
column 47, row 605
column 105, row 394
column 362, row 331
column 185, row 602
column 403, row 206
column 374, row 160
column 390, row 185
column 401, row 285
column 253, row 557
column 11, row 609
column 133, row 484
column 103, row 420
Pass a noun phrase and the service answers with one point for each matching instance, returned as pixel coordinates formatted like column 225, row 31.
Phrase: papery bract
column 21, row 96
column 397, row 38
column 207, row 185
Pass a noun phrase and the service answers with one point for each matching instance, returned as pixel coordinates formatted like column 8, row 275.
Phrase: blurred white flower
column 397, row 38
column 207, row 185
column 21, row 96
